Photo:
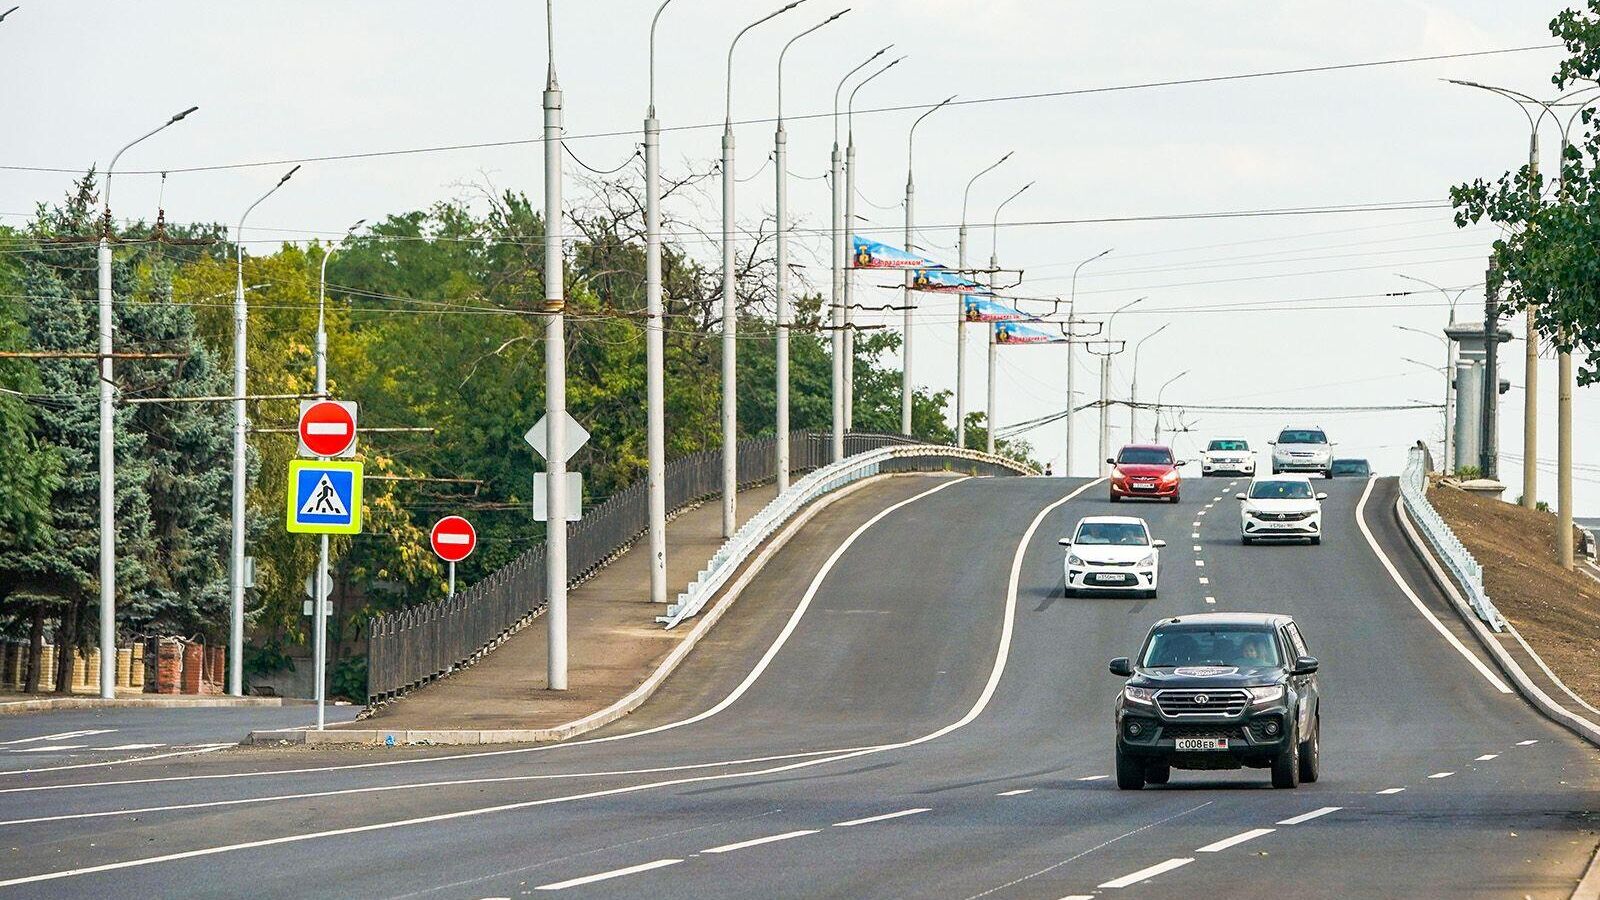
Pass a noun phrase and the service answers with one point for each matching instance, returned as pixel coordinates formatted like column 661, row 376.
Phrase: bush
column 350, row 679
column 1468, row 473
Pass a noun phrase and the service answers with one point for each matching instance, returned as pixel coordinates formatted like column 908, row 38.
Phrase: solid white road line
column 1002, row 654
column 1225, row 843
column 63, row 736
column 131, row 747
column 1094, row 777
column 1306, row 817
column 1391, row 790
column 97, row 765
column 883, row 818
column 1394, row 573
column 756, row 842
column 49, row 747
column 1486, row 757
column 1441, row 775
column 1526, row 743
column 1016, row 793
column 1148, row 872
column 614, row 873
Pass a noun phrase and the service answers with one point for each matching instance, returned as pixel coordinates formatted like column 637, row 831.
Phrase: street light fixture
column 1133, row 386
column 961, row 319
column 108, row 478
column 655, row 349
column 1162, row 390
column 994, row 263
column 1105, row 379
column 1072, row 307
column 911, row 196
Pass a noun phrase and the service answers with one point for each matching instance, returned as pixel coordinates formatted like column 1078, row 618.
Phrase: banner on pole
column 1024, row 333
column 982, row 309
column 939, row 281
column 866, row 253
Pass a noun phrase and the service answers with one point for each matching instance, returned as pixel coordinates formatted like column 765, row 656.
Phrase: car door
column 1305, row 685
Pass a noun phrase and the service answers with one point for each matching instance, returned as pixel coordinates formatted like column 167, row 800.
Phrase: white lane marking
column 1002, row 654
column 883, row 818
column 1078, row 897
column 1148, row 872
column 1241, row 837
column 1195, row 535
column 377, row 789
column 1204, row 580
column 1526, row 743
column 756, row 842
column 739, row 691
column 1197, row 548
column 49, row 747
column 63, row 736
column 1015, row 793
column 1394, row 573
column 1211, row 600
column 1306, row 817
column 1094, row 777
column 1486, row 757
column 1199, row 562
column 603, row 876
column 96, row 765
column 1201, row 513
column 132, row 747
column 1195, row 523
column 1391, row 790
column 1441, row 775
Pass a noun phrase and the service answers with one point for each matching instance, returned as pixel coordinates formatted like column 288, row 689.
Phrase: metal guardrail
column 1466, row 570
column 411, row 647
column 733, row 553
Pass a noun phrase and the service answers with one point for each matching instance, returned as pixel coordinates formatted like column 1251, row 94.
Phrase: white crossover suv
column 1280, row 507
column 1113, row 554
column 1302, row 450
column 1228, row 455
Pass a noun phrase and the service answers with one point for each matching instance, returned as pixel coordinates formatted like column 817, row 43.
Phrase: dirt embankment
column 1557, row 611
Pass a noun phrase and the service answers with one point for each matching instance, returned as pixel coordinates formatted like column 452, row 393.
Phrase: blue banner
column 939, row 281
column 982, row 309
column 870, row 254
column 1023, row 333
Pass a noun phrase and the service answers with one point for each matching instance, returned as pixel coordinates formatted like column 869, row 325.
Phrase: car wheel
column 1328, row 474
column 1247, row 541
column 1316, row 540
column 1286, row 766
column 1174, row 498
column 1130, row 771
column 1311, row 752
column 1115, row 499
column 1158, row 772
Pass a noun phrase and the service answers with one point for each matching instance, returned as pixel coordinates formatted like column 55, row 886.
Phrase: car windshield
column 1120, row 534
column 1302, row 437
column 1145, row 456
column 1235, row 647
column 1227, row 445
column 1350, row 466
column 1281, row 490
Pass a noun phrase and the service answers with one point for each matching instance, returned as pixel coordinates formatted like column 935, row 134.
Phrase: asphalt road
column 904, row 706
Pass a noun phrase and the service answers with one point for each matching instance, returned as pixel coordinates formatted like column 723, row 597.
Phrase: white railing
column 1466, row 570
column 733, row 553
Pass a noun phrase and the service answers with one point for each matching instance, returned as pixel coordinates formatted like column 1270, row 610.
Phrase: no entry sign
column 453, row 538
column 327, row 428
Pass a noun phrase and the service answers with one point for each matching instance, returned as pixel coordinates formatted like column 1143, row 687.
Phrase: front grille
column 1230, row 732
column 1282, row 516
column 1111, row 563
column 1181, row 702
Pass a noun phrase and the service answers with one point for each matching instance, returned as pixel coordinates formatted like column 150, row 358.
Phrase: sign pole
column 452, row 580
column 320, row 617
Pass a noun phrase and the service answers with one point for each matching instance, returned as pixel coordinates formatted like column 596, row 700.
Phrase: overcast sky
column 292, row 79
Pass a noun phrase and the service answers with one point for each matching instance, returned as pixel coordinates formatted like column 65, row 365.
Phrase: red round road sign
column 327, row 428
column 453, row 538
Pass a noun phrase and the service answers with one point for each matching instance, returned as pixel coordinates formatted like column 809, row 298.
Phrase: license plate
column 1110, row 579
column 1201, row 744
column 1280, row 525
column 1144, row 487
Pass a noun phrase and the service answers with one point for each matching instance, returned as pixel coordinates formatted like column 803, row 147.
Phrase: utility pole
column 994, row 268
column 1489, row 444
column 655, row 354
column 850, row 268
column 961, row 319
column 1105, row 355
column 1133, row 387
column 837, row 295
column 911, row 240
column 555, row 378
column 1072, row 396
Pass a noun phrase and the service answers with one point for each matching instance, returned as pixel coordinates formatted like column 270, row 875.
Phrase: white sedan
column 1280, row 507
column 1113, row 554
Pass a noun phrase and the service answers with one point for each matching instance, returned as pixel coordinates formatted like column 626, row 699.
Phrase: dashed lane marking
column 1441, row 775
column 1241, row 837
column 1526, row 743
column 1204, row 580
column 1306, row 817
column 1197, row 548
column 1486, row 757
column 1211, row 600
column 756, row 842
column 605, row 876
column 1391, row 790
column 883, row 818
column 1094, row 777
column 1148, row 872
column 1200, row 562
column 1016, row 793
column 1195, row 535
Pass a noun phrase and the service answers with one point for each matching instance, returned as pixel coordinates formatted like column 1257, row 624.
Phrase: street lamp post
column 994, row 264
column 838, row 236
column 1072, row 396
column 555, row 377
column 1133, row 386
column 241, row 324
column 655, row 352
column 108, row 438
column 1162, row 390
column 850, row 225
column 911, row 196
column 1105, row 380
column 961, row 319
column 1449, row 379
column 781, row 158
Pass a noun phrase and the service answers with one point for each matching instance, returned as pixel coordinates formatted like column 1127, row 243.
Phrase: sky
column 1284, row 311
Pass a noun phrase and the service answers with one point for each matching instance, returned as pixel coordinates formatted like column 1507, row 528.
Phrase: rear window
column 1223, row 646
column 1227, row 445
column 1145, row 456
column 1302, row 437
column 1350, row 467
column 1121, row 534
column 1281, row 490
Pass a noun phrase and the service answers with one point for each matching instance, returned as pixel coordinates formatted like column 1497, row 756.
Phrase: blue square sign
column 324, row 497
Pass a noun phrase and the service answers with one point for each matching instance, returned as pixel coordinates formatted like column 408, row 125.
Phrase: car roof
column 1350, row 459
column 1116, row 520
column 1274, row 620
column 1147, row 447
column 1243, row 440
column 1302, row 428
column 1286, row 476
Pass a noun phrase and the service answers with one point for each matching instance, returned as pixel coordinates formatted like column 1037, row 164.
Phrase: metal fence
column 1466, row 570
column 417, row 645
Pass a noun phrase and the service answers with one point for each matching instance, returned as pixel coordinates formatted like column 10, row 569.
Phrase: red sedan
column 1144, row 470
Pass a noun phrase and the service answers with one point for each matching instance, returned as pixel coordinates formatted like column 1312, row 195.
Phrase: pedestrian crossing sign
column 324, row 497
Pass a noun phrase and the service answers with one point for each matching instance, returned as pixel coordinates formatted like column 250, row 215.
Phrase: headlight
column 1073, row 560
column 1148, row 560
column 1116, row 475
column 1170, row 476
column 1266, row 694
column 1139, row 694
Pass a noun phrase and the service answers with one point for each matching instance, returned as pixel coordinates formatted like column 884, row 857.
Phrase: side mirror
column 1181, row 463
column 1304, row 665
column 1123, row 668
column 1065, row 542
column 1158, row 543
column 1322, row 495
column 1272, row 443
column 1240, row 497
column 1110, row 462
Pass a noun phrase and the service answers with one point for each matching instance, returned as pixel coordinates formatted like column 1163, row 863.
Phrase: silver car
column 1302, row 450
